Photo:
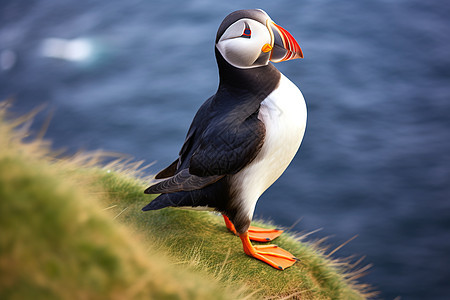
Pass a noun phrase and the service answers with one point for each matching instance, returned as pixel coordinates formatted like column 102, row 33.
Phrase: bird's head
column 249, row 38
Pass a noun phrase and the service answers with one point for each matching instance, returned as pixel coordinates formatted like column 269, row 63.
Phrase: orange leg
column 270, row 254
column 229, row 225
column 255, row 233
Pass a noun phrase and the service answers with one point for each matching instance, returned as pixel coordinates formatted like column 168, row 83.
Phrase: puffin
column 244, row 136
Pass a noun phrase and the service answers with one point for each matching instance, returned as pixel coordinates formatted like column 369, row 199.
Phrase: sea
column 374, row 165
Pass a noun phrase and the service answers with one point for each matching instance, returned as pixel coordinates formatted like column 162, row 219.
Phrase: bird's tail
column 212, row 196
column 172, row 199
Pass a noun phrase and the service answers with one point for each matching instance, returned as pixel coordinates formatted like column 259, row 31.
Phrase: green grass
column 71, row 229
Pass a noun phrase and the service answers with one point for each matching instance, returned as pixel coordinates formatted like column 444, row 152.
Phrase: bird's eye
column 247, row 32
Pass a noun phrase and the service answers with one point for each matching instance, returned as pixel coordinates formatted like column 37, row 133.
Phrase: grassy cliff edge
column 73, row 229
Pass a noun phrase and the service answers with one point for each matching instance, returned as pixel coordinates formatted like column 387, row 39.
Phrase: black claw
column 296, row 258
column 267, row 239
column 280, row 267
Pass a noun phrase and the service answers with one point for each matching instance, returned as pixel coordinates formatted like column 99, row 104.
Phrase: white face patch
column 241, row 44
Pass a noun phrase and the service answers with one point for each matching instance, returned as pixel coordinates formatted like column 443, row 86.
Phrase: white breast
column 284, row 115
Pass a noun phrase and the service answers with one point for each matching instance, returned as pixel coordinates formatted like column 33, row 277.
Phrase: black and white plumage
column 243, row 137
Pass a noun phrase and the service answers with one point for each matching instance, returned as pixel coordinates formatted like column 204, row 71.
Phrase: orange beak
column 285, row 47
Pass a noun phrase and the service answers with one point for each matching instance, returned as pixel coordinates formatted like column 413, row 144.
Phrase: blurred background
column 128, row 77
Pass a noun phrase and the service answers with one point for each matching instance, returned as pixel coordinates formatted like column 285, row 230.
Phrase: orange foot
column 256, row 233
column 270, row 254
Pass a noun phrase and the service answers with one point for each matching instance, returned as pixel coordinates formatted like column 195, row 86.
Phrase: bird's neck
column 259, row 81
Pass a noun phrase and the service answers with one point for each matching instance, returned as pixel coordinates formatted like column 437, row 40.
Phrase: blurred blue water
column 375, row 161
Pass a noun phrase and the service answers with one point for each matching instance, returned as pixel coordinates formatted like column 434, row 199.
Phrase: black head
column 249, row 38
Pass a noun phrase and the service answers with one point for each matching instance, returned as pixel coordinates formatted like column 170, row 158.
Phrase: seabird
column 242, row 138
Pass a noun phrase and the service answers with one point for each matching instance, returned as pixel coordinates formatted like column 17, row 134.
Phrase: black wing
column 182, row 181
column 214, row 147
column 228, row 147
